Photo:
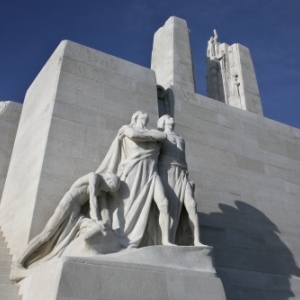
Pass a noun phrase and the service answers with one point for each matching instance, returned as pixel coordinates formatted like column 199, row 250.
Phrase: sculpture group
column 134, row 199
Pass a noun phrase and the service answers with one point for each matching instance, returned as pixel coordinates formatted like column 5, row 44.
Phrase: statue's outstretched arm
column 94, row 180
column 145, row 135
column 215, row 35
column 105, row 217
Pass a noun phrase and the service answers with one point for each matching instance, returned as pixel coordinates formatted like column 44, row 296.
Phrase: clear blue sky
column 31, row 30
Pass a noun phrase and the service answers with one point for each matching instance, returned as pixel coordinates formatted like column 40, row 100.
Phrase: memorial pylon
column 70, row 116
column 231, row 77
column 172, row 57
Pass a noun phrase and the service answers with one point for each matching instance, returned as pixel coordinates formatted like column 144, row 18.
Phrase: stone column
column 172, row 57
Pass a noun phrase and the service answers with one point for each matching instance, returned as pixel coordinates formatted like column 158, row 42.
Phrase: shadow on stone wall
column 215, row 85
column 250, row 258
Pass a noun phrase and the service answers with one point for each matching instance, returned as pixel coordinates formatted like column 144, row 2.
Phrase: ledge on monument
column 178, row 257
column 155, row 272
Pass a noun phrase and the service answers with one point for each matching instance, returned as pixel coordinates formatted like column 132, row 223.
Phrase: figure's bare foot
column 17, row 272
column 199, row 244
column 17, row 265
column 168, row 244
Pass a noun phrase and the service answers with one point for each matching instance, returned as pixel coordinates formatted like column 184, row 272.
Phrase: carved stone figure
column 222, row 60
column 173, row 171
column 212, row 45
column 235, row 86
column 67, row 220
column 133, row 156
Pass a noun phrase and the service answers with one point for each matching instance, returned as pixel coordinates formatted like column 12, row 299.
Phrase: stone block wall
column 71, row 114
column 249, row 88
column 171, row 55
column 9, row 119
column 247, row 174
column 245, row 167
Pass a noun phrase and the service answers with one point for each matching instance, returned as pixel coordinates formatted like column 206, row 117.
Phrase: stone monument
column 95, row 209
column 109, row 228
column 230, row 75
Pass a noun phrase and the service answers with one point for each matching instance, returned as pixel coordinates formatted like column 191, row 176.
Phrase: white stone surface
column 125, row 220
column 70, row 116
column 158, row 272
column 231, row 77
column 171, row 55
column 178, row 188
column 9, row 120
column 246, row 169
column 69, row 219
column 133, row 156
column 8, row 290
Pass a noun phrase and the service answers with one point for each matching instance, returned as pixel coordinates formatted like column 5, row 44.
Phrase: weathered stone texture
column 172, row 57
column 71, row 115
column 91, row 278
column 231, row 78
column 247, row 171
column 250, row 88
column 9, row 120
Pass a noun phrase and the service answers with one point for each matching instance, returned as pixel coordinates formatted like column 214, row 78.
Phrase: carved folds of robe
column 133, row 214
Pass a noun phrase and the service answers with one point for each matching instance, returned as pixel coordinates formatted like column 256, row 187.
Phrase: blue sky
column 31, row 30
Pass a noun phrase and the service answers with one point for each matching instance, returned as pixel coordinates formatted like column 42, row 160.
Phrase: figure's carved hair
column 135, row 116
column 161, row 122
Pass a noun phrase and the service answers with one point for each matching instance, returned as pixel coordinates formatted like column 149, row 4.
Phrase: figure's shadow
column 250, row 258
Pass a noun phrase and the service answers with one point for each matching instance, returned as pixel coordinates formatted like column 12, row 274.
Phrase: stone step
column 4, row 271
column 2, row 240
column 8, row 289
column 11, row 297
column 4, row 279
column 4, row 250
column 5, row 264
column 5, row 257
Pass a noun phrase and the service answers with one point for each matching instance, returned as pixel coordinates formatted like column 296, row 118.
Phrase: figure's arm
column 215, row 35
column 83, row 180
column 144, row 136
column 93, row 187
column 104, row 210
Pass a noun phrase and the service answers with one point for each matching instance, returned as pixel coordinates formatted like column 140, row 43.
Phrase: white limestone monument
column 121, row 182
column 230, row 75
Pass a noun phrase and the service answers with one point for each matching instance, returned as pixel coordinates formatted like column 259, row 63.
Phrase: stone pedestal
column 157, row 272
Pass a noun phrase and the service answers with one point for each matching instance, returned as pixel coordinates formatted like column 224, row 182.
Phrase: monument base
column 156, row 272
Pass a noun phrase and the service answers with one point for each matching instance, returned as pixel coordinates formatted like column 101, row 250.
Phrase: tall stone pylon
column 231, row 77
column 172, row 57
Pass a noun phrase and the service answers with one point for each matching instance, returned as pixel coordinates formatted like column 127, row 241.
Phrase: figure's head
column 165, row 120
column 112, row 181
column 139, row 117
